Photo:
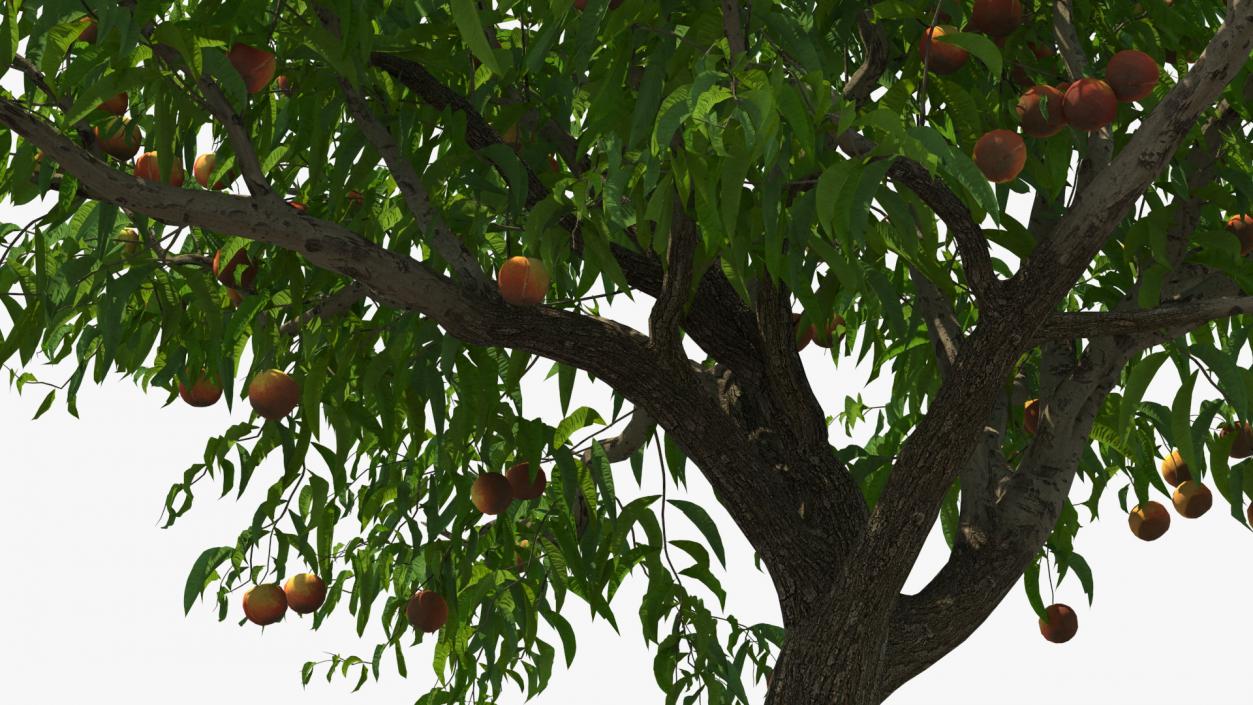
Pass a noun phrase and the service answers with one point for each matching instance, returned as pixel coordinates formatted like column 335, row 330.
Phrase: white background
column 91, row 596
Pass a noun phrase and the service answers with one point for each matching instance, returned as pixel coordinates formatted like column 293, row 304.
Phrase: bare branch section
column 942, row 326
column 407, row 180
column 667, row 314
column 733, row 28
column 863, row 81
column 21, row 63
column 337, row 304
column 1066, row 326
column 638, row 431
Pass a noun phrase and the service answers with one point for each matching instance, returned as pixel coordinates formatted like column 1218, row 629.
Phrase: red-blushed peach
column 202, row 392
column 273, row 394
column 265, row 604
column 522, row 484
column 523, row 281
column 305, row 593
column 1132, row 74
column 239, row 270
column 1060, row 624
column 1090, row 104
column 491, row 493
column 996, row 18
column 255, row 66
column 1000, row 155
column 148, row 168
column 944, row 58
column 427, row 611
column 1040, row 111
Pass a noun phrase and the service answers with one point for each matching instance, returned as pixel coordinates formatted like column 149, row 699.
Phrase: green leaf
column 465, row 14
column 201, row 573
column 984, row 49
column 1181, row 426
column 1133, row 391
column 580, row 418
column 701, row 519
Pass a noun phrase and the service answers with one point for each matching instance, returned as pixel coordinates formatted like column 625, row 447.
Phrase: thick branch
column 667, row 313
column 942, row 326
column 864, row 80
column 1066, row 326
column 733, row 28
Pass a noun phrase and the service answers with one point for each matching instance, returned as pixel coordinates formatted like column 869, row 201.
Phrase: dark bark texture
column 838, row 565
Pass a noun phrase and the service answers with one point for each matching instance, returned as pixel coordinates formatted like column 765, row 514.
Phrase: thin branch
column 1100, row 144
column 331, row 306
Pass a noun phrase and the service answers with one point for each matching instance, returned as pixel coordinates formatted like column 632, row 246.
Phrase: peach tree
column 760, row 174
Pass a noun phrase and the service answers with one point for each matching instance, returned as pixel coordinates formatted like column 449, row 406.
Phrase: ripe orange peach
column 1061, row 625
column 1149, row 521
column 305, row 593
column 265, row 604
column 1031, row 416
column 491, row 493
column 1242, row 227
column 355, row 198
column 824, row 338
column 148, row 169
column 945, row 58
column 255, row 66
column 427, row 611
column 1000, row 155
column 1192, row 499
column 300, row 207
column 1132, row 74
column 203, row 168
column 1242, row 444
column 284, row 85
column 1090, row 104
column 803, row 335
column 1175, row 470
column 202, row 392
column 120, row 138
column 89, row 30
column 239, row 271
column 273, row 394
column 997, row 18
column 521, row 483
column 523, row 281
column 1033, row 107
column 115, row 105
column 235, row 295
column 130, row 241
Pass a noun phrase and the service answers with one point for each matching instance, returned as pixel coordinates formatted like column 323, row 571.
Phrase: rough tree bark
column 838, row 566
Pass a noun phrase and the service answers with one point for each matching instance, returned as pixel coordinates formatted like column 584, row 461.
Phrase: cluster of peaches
column 267, row 603
column 1148, row 521
column 426, row 610
column 1087, row 104
column 1191, row 498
